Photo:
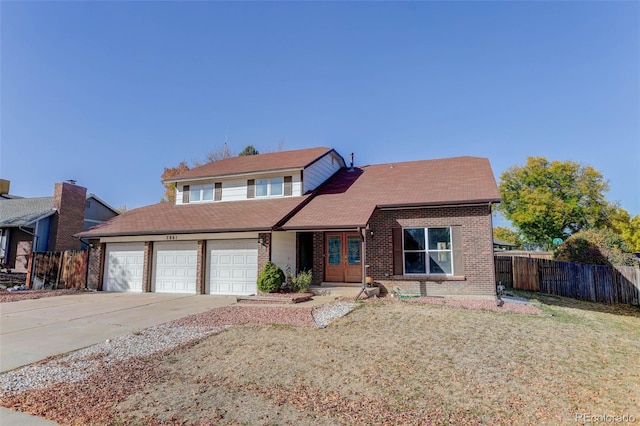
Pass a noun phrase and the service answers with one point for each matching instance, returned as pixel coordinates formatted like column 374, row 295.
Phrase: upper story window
column 269, row 187
column 427, row 251
column 199, row 193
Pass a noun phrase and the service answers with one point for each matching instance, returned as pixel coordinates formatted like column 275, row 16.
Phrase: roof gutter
column 256, row 173
column 436, row 205
column 170, row 232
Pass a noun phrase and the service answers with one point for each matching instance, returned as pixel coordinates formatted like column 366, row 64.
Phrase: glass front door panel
column 353, row 250
column 335, row 250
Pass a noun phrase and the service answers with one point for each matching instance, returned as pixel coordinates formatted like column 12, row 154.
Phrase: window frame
column 427, row 252
column 200, row 189
column 269, row 186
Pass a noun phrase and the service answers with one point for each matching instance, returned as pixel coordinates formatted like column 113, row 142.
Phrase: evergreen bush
column 271, row 278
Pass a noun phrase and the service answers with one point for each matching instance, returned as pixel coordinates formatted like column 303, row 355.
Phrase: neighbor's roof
column 168, row 218
column 349, row 198
column 15, row 212
column 284, row 160
column 101, row 201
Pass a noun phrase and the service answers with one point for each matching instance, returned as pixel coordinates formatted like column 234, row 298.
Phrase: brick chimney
column 69, row 199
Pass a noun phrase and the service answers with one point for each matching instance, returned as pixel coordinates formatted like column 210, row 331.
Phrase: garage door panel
column 124, row 267
column 232, row 266
column 175, row 267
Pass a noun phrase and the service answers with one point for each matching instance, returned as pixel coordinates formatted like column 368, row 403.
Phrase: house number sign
column 172, row 237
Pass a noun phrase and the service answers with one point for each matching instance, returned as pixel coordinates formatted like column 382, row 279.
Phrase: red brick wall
column 477, row 240
column 201, row 287
column 318, row 258
column 96, row 259
column 147, row 272
column 264, row 251
column 69, row 200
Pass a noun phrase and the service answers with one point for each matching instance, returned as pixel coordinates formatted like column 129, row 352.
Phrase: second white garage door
column 175, row 266
column 233, row 266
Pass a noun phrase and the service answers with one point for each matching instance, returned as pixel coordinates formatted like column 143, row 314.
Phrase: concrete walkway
column 32, row 330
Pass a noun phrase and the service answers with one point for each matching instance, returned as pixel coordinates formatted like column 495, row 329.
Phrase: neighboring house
column 47, row 223
column 424, row 226
column 499, row 245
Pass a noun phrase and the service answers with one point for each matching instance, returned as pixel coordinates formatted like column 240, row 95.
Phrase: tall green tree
column 547, row 200
column 627, row 227
column 248, row 150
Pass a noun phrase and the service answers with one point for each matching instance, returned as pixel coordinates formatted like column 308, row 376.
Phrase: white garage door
column 175, row 266
column 233, row 266
column 124, row 267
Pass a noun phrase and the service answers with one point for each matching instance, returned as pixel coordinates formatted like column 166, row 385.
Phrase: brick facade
column 318, row 258
column 201, row 285
column 264, row 250
column 69, row 200
column 477, row 241
column 95, row 262
column 147, row 272
column 475, row 225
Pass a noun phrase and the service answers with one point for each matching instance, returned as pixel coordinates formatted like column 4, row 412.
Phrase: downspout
column 497, row 288
column 363, row 258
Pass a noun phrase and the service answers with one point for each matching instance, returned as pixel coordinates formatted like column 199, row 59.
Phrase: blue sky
column 109, row 93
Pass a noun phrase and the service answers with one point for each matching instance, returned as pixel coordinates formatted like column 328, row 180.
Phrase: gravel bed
column 324, row 314
column 80, row 364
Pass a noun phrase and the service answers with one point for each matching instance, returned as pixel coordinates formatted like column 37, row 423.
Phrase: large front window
column 427, row 251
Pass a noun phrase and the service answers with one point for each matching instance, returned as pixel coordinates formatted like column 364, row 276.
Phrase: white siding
column 283, row 250
column 320, row 171
column 236, row 189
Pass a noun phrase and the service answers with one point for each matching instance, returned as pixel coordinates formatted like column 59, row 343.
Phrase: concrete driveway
column 32, row 330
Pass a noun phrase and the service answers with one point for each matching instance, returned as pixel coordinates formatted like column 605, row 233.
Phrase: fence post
column 30, row 265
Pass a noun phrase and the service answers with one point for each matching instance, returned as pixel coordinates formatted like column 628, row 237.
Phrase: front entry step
column 340, row 290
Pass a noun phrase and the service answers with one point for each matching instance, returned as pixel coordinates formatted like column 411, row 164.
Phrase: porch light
column 261, row 241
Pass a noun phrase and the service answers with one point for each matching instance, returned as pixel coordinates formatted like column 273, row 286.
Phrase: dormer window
column 269, row 187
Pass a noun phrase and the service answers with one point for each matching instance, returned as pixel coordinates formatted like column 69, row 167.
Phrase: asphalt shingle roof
column 17, row 212
column 284, row 160
column 168, row 218
column 349, row 198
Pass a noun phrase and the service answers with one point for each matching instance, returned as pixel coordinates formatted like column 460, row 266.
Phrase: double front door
column 343, row 257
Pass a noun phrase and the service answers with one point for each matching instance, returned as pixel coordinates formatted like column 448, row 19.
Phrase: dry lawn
column 391, row 362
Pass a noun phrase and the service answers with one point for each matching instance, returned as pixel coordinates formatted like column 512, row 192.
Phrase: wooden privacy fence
column 597, row 283
column 60, row 269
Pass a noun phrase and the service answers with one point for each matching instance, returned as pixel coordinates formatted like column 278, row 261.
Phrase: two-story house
column 424, row 226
